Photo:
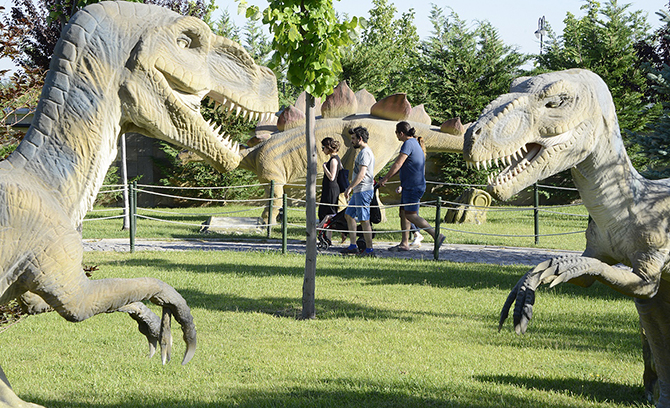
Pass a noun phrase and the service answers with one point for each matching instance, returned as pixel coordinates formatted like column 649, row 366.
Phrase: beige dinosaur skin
column 563, row 120
column 283, row 156
column 118, row 67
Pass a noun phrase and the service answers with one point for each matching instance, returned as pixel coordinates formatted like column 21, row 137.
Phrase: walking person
column 411, row 162
column 330, row 189
column 361, row 190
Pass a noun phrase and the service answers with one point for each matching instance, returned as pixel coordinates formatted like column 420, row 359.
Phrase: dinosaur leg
column 655, row 319
column 276, row 193
column 147, row 321
column 32, row 304
column 60, row 281
column 87, row 298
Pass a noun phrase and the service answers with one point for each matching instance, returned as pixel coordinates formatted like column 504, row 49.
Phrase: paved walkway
column 500, row 255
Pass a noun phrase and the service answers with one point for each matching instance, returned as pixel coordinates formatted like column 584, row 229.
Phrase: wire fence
column 131, row 213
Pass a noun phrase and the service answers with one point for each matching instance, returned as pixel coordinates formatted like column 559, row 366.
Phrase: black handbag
column 343, row 179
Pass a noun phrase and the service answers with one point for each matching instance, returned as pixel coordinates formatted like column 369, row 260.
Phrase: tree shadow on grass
column 598, row 390
column 364, row 394
column 385, row 272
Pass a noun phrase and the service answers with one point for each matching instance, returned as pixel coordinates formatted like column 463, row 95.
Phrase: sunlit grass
column 388, row 333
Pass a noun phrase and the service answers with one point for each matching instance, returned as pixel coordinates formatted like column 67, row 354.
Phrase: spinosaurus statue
column 561, row 120
column 118, row 67
column 278, row 150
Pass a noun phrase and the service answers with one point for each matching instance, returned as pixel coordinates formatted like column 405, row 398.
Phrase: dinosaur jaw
column 169, row 74
column 534, row 160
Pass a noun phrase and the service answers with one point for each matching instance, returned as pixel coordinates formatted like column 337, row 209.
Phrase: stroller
column 337, row 222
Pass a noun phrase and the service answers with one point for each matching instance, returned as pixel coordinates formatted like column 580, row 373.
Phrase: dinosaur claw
column 542, row 266
column 190, row 351
column 166, row 336
column 152, row 348
column 549, row 274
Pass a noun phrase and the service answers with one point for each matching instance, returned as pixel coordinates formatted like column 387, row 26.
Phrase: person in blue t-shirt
column 411, row 162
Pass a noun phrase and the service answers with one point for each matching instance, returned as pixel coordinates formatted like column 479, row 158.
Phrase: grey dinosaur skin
column 118, row 67
column 563, row 120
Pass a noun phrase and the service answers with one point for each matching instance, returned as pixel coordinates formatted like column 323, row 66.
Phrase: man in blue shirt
column 361, row 190
column 411, row 162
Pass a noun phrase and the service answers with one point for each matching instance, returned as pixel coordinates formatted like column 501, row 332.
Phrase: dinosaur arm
column 580, row 270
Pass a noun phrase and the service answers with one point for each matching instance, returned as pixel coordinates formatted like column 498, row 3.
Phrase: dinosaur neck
column 249, row 158
column 73, row 138
column 608, row 183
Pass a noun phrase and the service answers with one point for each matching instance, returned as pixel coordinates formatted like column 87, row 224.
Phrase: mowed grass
column 560, row 227
column 388, row 333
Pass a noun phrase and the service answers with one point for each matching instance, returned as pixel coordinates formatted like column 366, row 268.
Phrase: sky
column 516, row 20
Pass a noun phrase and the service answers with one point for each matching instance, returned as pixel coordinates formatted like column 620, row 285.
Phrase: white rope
column 106, row 210
column 102, row 218
column 199, row 214
column 202, row 225
column 212, row 200
column 202, row 188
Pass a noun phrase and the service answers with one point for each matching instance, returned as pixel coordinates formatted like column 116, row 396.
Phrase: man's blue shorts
column 361, row 201
column 411, row 196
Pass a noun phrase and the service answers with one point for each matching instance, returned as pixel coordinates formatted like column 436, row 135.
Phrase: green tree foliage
column 225, row 27
column 463, row 69
column 309, row 38
column 655, row 140
column 383, row 61
column 603, row 41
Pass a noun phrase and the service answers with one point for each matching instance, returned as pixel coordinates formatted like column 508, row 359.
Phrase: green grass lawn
column 504, row 226
column 388, row 333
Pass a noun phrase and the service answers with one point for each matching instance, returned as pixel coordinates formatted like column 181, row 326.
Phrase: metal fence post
column 132, row 198
column 438, row 219
column 272, row 198
column 536, row 213
column 284, row 225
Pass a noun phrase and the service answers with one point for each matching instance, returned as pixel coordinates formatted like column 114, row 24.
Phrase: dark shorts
column 359, row 205
column 412, row 197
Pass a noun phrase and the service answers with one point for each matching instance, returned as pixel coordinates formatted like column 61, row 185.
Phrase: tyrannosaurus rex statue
column 118, row 67
column 567, row 120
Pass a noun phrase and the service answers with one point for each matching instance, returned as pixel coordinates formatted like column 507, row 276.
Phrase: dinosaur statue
column 278, row 150
column 118, row 67
column 561, row 120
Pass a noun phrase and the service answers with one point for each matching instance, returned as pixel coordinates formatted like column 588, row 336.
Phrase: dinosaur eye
column 554, row 102
column 183, row 41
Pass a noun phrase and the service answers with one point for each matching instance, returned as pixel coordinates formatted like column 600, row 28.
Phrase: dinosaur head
column 176, row 62
column 546, row 124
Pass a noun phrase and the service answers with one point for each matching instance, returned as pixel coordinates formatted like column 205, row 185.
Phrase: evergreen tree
column 655, row 140
column 382, row 61
column 463, row 70
column 603, row 41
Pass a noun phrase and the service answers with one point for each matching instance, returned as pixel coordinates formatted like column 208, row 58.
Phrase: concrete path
column 499, row 255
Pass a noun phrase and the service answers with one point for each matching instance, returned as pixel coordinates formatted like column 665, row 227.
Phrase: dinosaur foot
column 178, row 308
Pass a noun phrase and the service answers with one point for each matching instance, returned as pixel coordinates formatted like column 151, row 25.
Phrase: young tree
column 308, row 37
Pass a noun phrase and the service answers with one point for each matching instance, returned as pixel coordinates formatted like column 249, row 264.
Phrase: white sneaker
column 417, row 240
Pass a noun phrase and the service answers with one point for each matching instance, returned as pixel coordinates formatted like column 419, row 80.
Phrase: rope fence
column 132, row 211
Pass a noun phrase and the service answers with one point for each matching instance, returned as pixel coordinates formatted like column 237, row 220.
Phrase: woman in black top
column 330, row 191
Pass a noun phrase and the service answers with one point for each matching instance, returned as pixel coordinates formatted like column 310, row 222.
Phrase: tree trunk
column 308, row 286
